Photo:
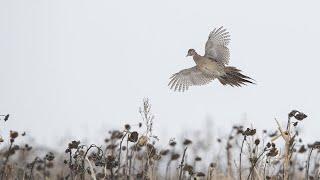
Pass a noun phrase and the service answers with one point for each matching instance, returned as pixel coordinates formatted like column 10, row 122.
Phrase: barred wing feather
column 189, row 77
column 216, row 45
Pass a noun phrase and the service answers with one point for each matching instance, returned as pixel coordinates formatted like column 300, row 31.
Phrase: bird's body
column 210, row 66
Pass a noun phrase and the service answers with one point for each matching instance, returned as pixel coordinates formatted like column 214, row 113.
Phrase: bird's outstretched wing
column 216, row 45
column 181, row 81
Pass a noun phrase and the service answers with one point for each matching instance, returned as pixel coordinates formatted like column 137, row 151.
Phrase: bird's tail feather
column 233, row 77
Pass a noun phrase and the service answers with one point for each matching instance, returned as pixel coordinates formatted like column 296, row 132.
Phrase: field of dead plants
column 133, row 152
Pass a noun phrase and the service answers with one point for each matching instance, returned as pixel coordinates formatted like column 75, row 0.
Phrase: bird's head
column 191, row 52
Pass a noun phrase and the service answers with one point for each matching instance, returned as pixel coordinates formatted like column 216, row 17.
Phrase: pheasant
column 213, row 65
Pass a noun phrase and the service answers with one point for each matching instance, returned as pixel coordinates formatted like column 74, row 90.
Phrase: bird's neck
column 196, row 57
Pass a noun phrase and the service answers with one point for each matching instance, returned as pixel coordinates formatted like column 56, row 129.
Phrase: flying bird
column 212, row 65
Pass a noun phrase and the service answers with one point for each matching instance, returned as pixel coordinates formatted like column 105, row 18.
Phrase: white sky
column 82, row 67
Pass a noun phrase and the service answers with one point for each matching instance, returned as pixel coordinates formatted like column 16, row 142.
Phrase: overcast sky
column 78, row 68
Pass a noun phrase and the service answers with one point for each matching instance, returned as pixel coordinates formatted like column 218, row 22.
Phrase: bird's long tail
column 234, row 77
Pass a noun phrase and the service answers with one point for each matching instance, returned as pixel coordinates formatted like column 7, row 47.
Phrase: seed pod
column 164, row 152
column 257, row 142
column 14, row 134
column 292, row 113
column 200, row 174
column 175, row 156
column 127, row 127
column 133, row 137
column 73, row 145
column 300, row 116
column 188, row 168
column 197, row 158
column 50, row 156
column 187, row 142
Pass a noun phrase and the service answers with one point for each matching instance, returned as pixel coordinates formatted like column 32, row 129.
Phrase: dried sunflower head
column 133, row 137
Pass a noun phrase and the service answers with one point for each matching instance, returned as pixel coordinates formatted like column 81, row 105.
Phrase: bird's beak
column 187, row 55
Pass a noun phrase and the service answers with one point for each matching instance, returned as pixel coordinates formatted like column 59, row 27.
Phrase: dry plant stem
column 308, row 164
column 23, row 175
column 264, row 168
column 167, row 169
column 257, row 173
column 131, row 161
column 105, row 171
column 147, row 167
column 182, row 161
column 229, row 157
column 229, row 162
column 32, row 167
column 288, row 123
column 286, row 137
column 254, row 164
column 316, row 170
column 6, row 160
column 119, row 156
column 70, row 165
column 293, row 167
column 142, row 165
column 111, row 173
column 130, row 164
column 127, row 159
column 85, row 157
column 240, row 175
column 44, row 169
column 210, row 173
column 93, row 175
column 147, row 116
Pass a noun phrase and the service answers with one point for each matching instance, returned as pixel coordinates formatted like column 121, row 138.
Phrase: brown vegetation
column 133, row 153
